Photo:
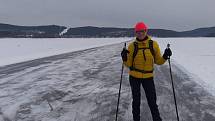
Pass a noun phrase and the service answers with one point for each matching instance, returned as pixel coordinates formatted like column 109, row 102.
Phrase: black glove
column 124, row 54
column 167, row 53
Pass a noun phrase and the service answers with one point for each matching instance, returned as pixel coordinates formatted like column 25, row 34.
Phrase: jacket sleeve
column 159, row 60
column 128, row 63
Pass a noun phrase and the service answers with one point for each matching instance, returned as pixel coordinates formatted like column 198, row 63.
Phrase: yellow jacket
column 139, row 61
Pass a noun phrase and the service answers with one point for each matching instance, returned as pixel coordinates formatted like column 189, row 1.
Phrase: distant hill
column 201, row 32
column 90, row 31
column 7, row 30
column 55, row 31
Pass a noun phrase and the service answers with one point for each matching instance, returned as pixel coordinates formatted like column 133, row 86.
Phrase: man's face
column 141, row 34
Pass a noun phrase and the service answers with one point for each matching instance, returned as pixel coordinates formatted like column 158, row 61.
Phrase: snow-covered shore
column 14, row 50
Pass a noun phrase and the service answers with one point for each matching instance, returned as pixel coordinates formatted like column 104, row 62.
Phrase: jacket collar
column 145, row 41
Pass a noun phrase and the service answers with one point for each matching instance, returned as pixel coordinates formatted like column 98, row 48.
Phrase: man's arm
column 128, row 63
column 159, row 60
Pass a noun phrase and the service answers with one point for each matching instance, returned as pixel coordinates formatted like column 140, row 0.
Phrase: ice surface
column 83, row 85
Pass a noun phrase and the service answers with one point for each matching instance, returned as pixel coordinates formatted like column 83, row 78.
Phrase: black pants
column 149, row 88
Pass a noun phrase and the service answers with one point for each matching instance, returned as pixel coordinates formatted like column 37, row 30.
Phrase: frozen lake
column 83, row 85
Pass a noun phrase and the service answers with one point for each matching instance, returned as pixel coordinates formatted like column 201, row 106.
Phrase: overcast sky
column 176, row 15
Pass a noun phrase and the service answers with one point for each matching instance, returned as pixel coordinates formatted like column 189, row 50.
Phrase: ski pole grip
column 125, row 45
column 168, row 45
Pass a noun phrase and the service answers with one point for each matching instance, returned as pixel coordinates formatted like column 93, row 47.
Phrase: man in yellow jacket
column 140, row 58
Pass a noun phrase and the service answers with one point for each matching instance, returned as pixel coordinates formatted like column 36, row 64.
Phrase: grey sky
column 165, row 14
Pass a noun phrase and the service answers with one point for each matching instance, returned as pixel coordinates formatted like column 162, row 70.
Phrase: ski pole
column 176, row 108
column 117, row 109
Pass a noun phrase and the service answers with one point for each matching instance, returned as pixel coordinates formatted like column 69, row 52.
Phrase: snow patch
column 64, row 31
